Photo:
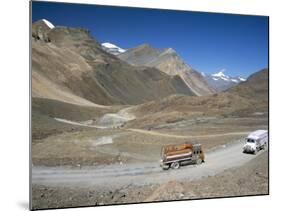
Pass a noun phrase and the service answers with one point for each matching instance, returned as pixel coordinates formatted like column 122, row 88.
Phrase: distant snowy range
column 219, row 81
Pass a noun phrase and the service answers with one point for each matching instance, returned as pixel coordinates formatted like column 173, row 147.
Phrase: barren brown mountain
column 245, row 99
column 256, row 86
column 69, row 65
column 168, row 61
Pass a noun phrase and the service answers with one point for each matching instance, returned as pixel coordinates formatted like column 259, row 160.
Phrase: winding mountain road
column 117, row 175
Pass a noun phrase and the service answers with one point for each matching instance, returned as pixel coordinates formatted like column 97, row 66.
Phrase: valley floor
column 91, row 146
column 245, row 175
column 121, row 165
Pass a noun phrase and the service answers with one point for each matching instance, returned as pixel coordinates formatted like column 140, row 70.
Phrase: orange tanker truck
column 173, row 156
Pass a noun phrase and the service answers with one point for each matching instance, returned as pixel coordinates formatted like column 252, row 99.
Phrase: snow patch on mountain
column 48, row 23
column 111, row 48
column 241, row 79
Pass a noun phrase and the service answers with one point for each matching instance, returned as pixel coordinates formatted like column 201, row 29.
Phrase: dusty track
column 124, row 116
column 179, row 136
column 109, row 120
column 116, row 175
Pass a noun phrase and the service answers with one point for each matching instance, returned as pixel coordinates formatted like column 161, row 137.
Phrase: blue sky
column 208, row 42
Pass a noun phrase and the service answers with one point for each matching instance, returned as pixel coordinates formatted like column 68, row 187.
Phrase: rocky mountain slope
column 71, row 66
column 256, row 87
column 169, row 62
column 246, row 99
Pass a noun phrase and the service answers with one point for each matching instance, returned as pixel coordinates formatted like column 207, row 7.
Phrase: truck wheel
column 175, row 165
column 199, row 161
column 255, row 152
column 165, row 167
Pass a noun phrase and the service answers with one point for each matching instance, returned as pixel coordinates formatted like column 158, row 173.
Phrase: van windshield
column 251, row 141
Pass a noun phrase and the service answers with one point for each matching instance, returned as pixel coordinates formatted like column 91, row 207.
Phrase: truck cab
column 197, row 154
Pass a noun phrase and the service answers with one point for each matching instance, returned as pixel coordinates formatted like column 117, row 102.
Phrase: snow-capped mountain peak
column 111, row 48
column 48, row 23
column 221, row 75
column 220, row 81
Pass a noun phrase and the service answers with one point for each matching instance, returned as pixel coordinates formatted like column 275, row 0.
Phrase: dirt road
column 154, row 133
column 114, row 120
column 117, row 175
column 108, row 120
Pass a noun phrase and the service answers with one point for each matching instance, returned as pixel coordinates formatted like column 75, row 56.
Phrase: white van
column 256, row 141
